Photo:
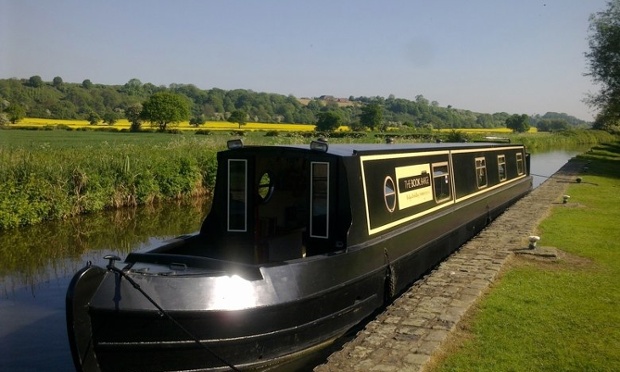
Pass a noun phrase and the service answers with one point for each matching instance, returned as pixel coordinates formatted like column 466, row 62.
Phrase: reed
column 49, row 180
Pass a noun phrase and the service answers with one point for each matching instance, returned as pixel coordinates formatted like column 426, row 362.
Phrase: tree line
column 57, row 99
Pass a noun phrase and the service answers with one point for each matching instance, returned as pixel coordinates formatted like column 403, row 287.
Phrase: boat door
column 294, row 205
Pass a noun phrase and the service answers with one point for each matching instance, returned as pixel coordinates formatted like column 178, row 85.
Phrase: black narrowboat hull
column 172, row 310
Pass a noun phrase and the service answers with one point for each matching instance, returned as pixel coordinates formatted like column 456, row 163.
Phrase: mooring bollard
column 533, row 240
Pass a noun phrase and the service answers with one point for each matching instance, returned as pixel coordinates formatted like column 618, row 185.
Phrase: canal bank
column 406, row 335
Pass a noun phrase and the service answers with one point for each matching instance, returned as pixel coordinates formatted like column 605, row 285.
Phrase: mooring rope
column 540, row 175
column 167, row 315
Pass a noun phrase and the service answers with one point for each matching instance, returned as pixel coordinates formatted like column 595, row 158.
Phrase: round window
column 389, row 194
column 265, row 187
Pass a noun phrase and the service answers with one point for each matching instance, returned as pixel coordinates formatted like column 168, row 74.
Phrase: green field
column 555, row 316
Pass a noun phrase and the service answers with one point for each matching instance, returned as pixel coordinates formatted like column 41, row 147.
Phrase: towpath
column 411, row 330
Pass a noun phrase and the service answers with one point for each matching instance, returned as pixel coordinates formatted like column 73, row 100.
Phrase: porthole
column 265, row 187
column 389, row 194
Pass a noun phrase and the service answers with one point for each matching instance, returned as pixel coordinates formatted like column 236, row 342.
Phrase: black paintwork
column 281, row 286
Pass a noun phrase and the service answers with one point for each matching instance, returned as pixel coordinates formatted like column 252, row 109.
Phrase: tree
column 4, row 120
column 239, row 117
column 197, row 120
column 57, row 82
column 552, row 125
column 164, row 108
column 132, row 113
column 110, row 118
column 371, row 116
column 35, row 81
column 93, row 118
column 604, row 64
column 15, row 112
column 328, row 121
column 132, row 88
column 87, row 84
column 518, row 123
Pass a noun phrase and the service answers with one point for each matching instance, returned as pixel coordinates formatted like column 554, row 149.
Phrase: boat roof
column 352, row 149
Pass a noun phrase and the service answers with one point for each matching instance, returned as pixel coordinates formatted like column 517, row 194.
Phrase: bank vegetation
column 56, row 174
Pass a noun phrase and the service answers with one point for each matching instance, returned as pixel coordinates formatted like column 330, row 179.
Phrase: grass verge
column 555, row 316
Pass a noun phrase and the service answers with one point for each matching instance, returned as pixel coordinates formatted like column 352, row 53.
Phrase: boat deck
column 411, row 330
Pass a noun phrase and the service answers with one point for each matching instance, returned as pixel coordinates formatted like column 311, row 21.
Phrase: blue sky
column 517, row 56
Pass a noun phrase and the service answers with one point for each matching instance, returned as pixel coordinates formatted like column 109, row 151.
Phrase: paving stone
column 416, row 359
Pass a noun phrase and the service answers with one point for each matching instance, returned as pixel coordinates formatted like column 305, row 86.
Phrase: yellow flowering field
column 486, row 130
column 209, row 125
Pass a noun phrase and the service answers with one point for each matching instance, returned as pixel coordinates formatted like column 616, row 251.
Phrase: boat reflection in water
column 301, row 244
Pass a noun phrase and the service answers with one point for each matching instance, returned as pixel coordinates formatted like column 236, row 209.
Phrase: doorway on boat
column 292, row 207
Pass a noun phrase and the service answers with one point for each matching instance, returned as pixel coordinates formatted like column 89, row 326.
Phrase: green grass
column 560, row 316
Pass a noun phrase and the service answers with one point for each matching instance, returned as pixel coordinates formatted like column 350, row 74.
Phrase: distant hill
column 61, row 100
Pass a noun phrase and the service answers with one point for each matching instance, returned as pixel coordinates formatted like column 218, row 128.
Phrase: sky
column 487, row 56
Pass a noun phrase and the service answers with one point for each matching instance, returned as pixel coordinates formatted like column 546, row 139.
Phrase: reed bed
column 47, row 180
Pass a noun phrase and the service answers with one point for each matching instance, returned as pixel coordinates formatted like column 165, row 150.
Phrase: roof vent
column 234, row 144
column 319, row 145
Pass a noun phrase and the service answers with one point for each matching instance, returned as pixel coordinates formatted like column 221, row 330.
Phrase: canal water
column 37, row 263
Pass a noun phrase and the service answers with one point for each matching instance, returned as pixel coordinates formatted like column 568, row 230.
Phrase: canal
column 38, row 262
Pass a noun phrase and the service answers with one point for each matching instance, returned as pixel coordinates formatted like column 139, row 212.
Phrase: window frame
column 313, row 198
column 520, row 164
column 501, row 165
column 230, row 197
column 446, row 176
column 481, row 166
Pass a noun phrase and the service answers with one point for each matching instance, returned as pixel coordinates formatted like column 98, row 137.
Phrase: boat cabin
column 278, row 203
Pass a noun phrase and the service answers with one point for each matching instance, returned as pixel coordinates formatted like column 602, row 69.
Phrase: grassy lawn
column 555, row 316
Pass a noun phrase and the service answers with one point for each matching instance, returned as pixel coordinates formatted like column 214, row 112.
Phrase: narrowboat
column 301, row 244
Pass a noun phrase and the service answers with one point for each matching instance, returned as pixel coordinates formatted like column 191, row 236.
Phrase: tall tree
column 57, row 82
column 604, row 64
column 518, row 123
column 328, row 121
column 371, row 116
column 15, row 112
column 35, row 81
column 239, row 117
column 164, row 108
column 132, row 113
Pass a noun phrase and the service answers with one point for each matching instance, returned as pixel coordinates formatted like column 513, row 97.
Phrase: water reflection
column 36, row 254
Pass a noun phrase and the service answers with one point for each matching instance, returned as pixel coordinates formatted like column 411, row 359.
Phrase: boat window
column 265, row 187
column 441, row 181
column 501, row 167
column 237, row 195
column 319, row 219
column 389, row 194
column 481, row 172
column 519, row 163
